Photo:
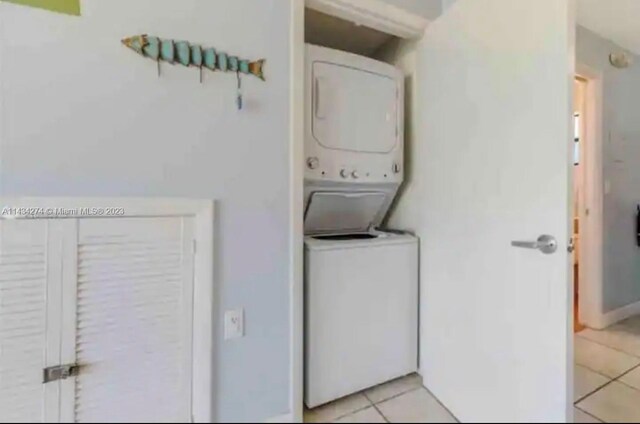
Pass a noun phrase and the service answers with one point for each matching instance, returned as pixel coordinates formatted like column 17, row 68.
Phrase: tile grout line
column 355, row 411
column 616, row 379
column 627, row 372
column 442, row 405
column 575, row 403
column 627, row 385
column 384, row 417
column 588, row 413
column 600, row 373
column 596, row 371
column 373, row 404
column 445, row 408
column 422, row 387
column 397, row 395
column 599, row 343
column 611, row 380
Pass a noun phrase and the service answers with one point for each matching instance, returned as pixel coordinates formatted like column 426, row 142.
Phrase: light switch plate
column 234, row 324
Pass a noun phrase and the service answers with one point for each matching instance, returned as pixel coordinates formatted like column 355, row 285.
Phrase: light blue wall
column 429, row 9
column 621, row 168
column 80, row 115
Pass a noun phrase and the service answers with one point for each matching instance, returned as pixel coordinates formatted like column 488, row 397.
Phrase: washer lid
column 319, row 243
column 343, row 212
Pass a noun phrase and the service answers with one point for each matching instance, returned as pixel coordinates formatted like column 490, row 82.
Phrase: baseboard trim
column 286, row 418
column 609, row 318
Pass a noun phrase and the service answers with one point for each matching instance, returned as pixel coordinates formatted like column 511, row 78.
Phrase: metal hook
column 239, row 98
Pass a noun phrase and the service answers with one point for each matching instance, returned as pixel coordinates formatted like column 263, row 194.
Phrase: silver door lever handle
column 546, row 244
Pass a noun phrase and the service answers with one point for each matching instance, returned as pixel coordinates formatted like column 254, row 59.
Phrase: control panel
column 389, row 172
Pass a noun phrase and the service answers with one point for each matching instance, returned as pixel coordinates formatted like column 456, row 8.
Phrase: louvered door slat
column 25, row 286
column 133, row 331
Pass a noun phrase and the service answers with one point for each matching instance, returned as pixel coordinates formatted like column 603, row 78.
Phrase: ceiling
column 616, row 20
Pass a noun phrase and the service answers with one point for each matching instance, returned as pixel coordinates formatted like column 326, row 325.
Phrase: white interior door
column 492, row 162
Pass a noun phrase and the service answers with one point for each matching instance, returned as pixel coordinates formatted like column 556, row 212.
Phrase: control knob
column 312, row 163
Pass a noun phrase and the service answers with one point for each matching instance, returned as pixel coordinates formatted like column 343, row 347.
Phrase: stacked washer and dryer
column 361, row 282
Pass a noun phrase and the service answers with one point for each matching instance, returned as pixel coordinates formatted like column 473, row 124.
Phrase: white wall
column 83, row 116
column 402, row 54
column 447, row 4
column 429, row 9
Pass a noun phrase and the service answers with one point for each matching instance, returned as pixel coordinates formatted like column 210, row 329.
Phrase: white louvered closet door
column 30, row 289
column 130, row 323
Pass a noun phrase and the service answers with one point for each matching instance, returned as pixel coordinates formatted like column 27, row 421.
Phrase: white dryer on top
column 353, row 140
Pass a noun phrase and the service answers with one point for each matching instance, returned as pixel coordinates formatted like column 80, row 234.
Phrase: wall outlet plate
column 234, row 324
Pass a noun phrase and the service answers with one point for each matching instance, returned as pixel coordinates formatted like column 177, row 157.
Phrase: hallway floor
column 607, row 373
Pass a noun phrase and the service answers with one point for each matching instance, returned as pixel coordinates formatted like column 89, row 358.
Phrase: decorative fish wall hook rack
column 187, row 54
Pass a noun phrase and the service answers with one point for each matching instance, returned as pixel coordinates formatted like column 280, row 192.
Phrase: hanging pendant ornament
column 197, row 59
column 239, row 98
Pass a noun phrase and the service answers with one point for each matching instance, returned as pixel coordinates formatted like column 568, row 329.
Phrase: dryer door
column 353, row 109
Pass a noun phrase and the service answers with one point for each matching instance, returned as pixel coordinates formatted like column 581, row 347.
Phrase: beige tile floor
column 607, row 387
column 607, row 374
column 400, row 401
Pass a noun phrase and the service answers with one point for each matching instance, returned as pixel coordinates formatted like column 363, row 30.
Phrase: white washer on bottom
column 361, row 312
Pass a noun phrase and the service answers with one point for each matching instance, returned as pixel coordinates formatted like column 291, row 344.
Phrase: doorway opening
column 579, row 117
column 588, row 198
column 371, row 41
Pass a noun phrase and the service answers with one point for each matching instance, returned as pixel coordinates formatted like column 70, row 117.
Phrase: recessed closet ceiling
column 329, row 31
column 616, row 20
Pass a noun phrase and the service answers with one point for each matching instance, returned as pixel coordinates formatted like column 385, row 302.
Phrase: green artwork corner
column 70, row 7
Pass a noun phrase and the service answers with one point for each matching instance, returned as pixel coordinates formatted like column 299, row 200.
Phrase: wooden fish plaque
column 188, row 54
